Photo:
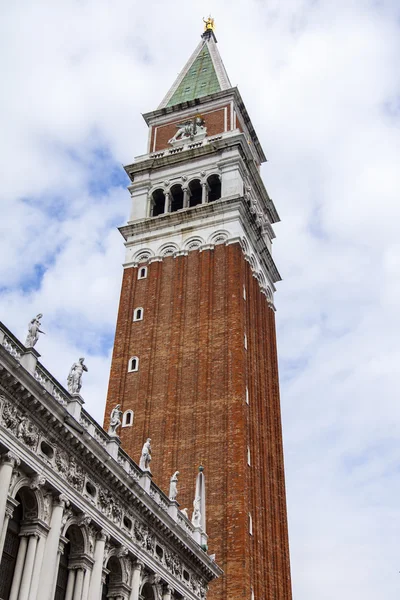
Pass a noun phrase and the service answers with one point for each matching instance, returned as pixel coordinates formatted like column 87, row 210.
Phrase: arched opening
column 214, row 188
column 176, row 193
column 138, row 314
column 195, row 192
column 127, row 419
column 157, row 202
column 10, row 551
column 133, row 364
column 142, row 274
column 112, row 584
column 67, row 576
column 147, row 592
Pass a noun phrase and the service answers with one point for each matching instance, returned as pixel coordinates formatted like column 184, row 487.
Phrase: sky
column 321, row 82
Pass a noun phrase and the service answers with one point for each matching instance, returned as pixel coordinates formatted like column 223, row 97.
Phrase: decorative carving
column 37, row 482
column 192, row 129
column 27, row 432
column 10, row 417
column 33, row 331
column 74, row 379
column 145, row 459
column 173, row 488
column 184, row 511
column 196, row 517
column 75, row 474
column 62, row 461
column 115, row 420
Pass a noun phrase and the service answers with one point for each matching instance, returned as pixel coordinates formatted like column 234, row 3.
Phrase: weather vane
column 209, row 23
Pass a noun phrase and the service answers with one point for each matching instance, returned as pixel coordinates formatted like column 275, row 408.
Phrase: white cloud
column 321, row 83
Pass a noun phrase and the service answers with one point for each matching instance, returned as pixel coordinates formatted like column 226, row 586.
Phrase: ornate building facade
column 79, row 519
column 195, row 364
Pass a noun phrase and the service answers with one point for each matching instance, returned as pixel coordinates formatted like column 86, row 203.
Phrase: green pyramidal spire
column 203, row 74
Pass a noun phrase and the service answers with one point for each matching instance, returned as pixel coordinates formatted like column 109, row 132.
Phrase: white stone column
column 70, row 584
column 37, row 567
column 204, row 193
column 8, row 516
column 86, row 584
column 8, row 462
column 136, row 580
column 185, row 197
column 49, row 569
column 97, row 573
column 167, row 202
column 24, row 590
column 19, row 567
column 78, row 585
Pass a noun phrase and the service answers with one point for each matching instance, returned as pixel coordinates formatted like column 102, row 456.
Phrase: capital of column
column 9, row 458
column 138, row 566
column 61, row 500
column 102, row 536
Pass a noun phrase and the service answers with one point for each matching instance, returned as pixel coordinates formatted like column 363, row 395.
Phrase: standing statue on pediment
column 33, row 331
column 74, row 380
column 145, row 458
column 115, row 420
column 173, row 486
column 196, row 516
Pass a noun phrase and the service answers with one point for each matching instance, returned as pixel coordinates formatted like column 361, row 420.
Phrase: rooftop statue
column 173, row 489
column 196, row 516
column 145, row 459
column 74, row 379
column 208, row 23
column 33, row 331
column 115, row 420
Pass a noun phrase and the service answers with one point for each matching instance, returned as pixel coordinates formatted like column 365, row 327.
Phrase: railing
column 12, row 347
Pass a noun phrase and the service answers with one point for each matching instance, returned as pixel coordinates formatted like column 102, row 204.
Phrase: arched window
column 176, row 193
column 147, row 592
column 142, row 273
column 138, row 314
column 113, row 586
column 214, row 188
column 127, row 419
column 157, row 203
column 195, row 192
column 133, row 364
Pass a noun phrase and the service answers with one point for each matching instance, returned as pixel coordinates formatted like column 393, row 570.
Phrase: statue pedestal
column 200, row 537
column 145, row 481
column 29, row 360
column 113, row 446
column 173, row 509
column 74, row 406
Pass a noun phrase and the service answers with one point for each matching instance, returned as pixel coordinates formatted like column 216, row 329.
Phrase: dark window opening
column 195, row 190
column 11, row 545
column 134, row 364
column 62, row 577
column 128, row 418
column 176, row 198
column 214, row 188
column 47, row 450
column 142, row 273
column 127, row 523
column 158, row 202
column 90, row 489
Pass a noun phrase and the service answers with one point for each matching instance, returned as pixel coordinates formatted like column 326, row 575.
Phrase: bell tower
column 194, row 364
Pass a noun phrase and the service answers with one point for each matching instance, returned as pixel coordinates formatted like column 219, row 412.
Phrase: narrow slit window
column 244, row 292
column 247, row 395
column 138, row 314
column 133, row 364
column 127, row 419
column 248, row 456
column 250, row 525
column 142, row 273
column 245, row 341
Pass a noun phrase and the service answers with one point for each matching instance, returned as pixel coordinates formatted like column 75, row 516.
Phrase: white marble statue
column 33, row 331
column 145, row 459
column 196, row 516
column 173, row 486
column 115, row 420
column 74, row 379
column 184, row 511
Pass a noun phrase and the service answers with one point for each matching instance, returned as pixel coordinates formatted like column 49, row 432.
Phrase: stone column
column 36, row 568
column 185, row 197
column 86, row 584
column 19, row 567
column 136, row 580
column 167, row 201
column 204, row 193
column 8, row 462
column 70, row 584
column 24, row 590
column 97, row 573
column 78, row 585
column 49, row 570
column 8, row 516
